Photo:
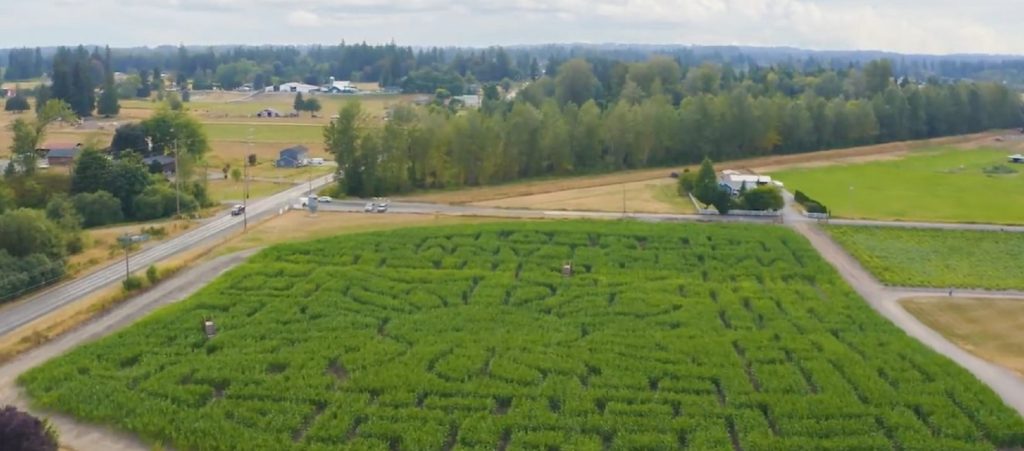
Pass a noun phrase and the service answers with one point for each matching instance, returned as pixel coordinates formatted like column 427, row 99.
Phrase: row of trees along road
column 654, row 115
column 42, row 213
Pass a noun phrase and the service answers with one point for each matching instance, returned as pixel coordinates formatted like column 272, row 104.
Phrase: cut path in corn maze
column 664, row 336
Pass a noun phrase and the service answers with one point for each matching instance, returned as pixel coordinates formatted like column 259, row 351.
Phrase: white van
column 316, row 161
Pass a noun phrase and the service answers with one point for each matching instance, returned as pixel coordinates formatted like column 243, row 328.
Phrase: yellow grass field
column 993, row 329
column 654, row 196
column 101, row 243
column 230, row 190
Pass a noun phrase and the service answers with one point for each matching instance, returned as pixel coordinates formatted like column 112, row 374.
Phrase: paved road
column 85, row 436
column 29, row 309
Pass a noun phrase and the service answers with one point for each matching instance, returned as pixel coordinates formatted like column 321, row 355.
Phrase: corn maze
column 702, row 337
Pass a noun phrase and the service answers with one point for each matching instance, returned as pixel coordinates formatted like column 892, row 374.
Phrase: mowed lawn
column 937, row 258
column 944, row 185
column 265, row 132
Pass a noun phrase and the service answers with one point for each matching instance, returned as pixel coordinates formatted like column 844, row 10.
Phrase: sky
column 906, row 26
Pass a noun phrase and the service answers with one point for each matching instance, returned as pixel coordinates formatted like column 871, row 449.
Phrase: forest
column 588, row 118
column 412, row 67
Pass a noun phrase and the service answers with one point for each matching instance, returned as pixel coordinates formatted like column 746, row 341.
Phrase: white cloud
column 303, row 18
column 915, row 26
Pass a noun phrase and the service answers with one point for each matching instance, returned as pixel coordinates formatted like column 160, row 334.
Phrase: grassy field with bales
column 940, row 184
column 472, row 337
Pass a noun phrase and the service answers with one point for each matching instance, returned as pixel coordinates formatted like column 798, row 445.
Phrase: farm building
column 1018, row 158
column 165, row 162
column 340, row 87
column 469, row 101
column 733, row 181
column 292, row 87
column 60, row 154
column 292, row 157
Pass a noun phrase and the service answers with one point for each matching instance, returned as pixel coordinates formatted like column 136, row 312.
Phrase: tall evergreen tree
column 108, row 104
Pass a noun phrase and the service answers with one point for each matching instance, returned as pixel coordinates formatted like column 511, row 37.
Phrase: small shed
column 61, row 154
column 1018, row 158
column 292, row 157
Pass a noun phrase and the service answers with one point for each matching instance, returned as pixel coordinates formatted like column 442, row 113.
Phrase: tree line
column 652, row 114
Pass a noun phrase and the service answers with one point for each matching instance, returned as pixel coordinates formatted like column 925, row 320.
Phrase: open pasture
column 265, row 132
column 653, row 196
column 946, row 185
column 937, row 258
column 469, row 337
column 993, row 329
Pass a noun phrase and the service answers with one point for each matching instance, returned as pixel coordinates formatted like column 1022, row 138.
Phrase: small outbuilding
column 292, row 157
column 268, row 112
column 60, row 154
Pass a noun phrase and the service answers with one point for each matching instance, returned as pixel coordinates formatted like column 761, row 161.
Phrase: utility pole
column 177, row 178
column 245, row 183
column 623, row 200
column 127, row 271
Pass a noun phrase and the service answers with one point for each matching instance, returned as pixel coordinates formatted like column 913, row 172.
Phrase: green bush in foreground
column 469, row 337
column 937, row 258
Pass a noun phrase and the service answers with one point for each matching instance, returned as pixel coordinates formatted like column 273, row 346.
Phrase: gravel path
column 83, row 436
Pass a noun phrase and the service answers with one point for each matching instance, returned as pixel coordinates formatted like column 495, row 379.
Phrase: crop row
column 665, row 337
column 937, row 258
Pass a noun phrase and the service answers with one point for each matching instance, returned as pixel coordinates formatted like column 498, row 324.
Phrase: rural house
column 164, row 162
column 292, row 157
column 1018, row 158
column 734, row 182
column 60, row 154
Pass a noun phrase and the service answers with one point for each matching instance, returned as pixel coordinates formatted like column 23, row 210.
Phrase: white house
column 292, row 86
column 340, row 87
column 735, row 181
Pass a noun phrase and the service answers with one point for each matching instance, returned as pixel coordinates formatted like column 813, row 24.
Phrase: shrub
column 17, row 104
column 763, row 198
column 132, row 283
column 152, row 275
column 98, row 209
column 155, row 232
column 811, row 205
column 21, row 431
column 687, row 181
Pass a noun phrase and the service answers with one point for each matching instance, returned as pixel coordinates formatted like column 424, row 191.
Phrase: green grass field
column 666, row 337
column 936, row 185
column 267, row 132
column 937, row 258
